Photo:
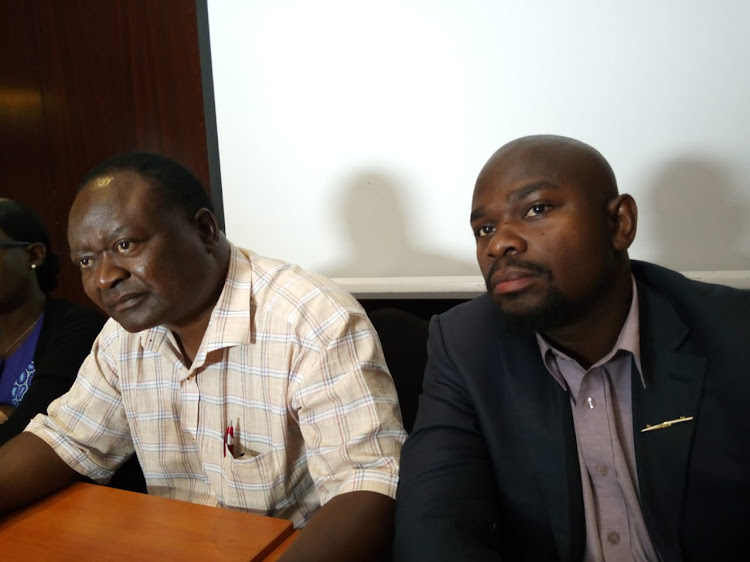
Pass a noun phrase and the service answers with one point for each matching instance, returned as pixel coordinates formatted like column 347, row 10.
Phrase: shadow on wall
column 380, row 243
column 698, row 217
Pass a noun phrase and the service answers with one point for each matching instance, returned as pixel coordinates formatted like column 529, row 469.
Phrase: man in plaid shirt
column 208, row 339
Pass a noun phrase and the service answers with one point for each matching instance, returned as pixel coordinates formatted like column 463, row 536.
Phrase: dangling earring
column 33, row 266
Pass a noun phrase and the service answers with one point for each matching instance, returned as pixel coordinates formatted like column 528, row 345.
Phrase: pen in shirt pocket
column 229, row 443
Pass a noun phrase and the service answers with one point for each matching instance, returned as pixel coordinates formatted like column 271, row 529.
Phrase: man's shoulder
column 472, row 319
column 477, row 309
column 684, row 291
column 715, row 311
column 298, row 296
column 277, row 279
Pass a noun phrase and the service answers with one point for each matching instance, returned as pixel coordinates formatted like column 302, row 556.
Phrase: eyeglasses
column 14, row 243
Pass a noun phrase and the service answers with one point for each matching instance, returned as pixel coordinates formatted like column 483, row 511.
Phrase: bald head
column 562, row 159
column 552, row 233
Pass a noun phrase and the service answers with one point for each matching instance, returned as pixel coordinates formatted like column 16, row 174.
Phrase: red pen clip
column 229, row 438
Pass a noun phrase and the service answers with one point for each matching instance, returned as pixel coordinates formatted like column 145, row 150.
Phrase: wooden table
column 89, row 522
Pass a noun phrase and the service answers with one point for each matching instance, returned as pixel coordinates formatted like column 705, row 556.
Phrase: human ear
column 208, row 227
column 623, row 214
column 37, row 254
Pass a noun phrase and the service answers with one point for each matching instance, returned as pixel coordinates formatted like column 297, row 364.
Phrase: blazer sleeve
column 64, row 342
column 447, row 503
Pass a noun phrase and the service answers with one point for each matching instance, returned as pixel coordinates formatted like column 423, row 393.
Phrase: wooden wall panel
column 122, row 75
column 112, row 76
column 24, row 173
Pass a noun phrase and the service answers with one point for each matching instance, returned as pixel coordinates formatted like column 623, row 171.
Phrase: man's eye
column 83, row 263
column 536, row 210
column 484, row 230
column 123, row 246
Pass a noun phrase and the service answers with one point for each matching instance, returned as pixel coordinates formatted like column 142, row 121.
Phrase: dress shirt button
column 614, row 537
column 591, row 402
column 602, row 470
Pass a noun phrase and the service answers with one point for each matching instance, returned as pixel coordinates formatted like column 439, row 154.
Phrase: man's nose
column 507, row 239
column 109, row 272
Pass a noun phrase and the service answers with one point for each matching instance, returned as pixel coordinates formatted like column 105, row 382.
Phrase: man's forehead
column 102, row 181
column 516, row 165
column 534, row 158
column 114, row 189
column 107, row 201
column 518, row 174
column 116, row 179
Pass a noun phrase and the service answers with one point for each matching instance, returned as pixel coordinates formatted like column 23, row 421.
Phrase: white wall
column 351, row 132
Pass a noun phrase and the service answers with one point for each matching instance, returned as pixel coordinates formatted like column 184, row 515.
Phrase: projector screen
column 350, row 133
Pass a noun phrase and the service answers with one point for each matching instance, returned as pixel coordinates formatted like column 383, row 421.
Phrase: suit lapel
column 674, row 382
column 546, row 422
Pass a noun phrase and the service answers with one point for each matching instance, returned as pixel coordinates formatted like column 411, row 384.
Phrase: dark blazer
column 491, row 469
column 64, row 342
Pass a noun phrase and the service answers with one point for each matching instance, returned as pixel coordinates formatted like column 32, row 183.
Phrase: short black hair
column 175, row 183
column 22, row 224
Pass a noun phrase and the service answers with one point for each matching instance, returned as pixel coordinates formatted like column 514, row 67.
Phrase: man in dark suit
column 588, row 407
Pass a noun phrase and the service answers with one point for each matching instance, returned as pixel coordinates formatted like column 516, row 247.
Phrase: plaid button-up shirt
column 288, row 357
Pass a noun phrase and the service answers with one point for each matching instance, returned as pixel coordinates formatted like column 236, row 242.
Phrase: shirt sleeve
column 87, row 427
column 349, row 413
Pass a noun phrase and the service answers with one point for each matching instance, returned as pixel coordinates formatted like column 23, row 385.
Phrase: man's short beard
column 554, row 312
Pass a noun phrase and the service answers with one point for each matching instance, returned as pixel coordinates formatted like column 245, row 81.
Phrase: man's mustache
column 516, row 263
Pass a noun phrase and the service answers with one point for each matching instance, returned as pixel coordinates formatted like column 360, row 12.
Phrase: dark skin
column 547, row 218
column 144, row 262
column 147, row 264
column 30, row 469
column 352, row 526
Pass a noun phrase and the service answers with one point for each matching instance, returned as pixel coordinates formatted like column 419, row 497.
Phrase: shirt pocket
column 251, row 482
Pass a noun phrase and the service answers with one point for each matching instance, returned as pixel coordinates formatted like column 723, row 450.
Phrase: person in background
column 239, row 381
column 43, row 340
column 589, row 406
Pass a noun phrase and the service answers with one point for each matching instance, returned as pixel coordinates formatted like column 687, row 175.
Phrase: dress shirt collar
column 628, row 341
column 230, row 323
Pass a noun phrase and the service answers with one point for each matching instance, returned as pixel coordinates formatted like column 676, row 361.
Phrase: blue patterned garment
column 18, row 370
column 22, row 385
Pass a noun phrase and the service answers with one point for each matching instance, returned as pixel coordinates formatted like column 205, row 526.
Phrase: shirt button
column 602, row 470
column 591, row 402
column 614, row 537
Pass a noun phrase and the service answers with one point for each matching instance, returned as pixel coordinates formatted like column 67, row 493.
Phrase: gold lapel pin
column 662, row 425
